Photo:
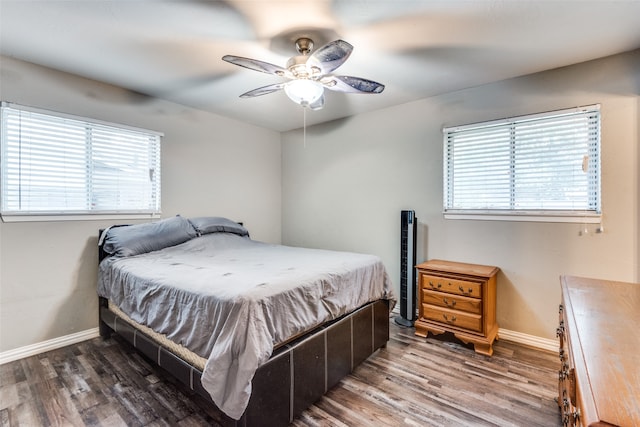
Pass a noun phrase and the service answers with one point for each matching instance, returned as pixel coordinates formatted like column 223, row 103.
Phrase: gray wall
column 210, row 166
column 343, row 190
column 345, row 187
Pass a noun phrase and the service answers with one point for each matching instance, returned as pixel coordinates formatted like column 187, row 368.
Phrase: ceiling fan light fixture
column 303, row 91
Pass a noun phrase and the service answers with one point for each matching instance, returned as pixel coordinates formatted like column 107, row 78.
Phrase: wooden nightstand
column 458, row 298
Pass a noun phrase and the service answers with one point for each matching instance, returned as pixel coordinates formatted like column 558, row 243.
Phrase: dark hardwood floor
column 412, row 382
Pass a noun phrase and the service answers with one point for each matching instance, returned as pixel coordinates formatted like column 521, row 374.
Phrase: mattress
column 231, row 300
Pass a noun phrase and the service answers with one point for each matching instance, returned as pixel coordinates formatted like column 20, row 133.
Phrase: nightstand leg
column 482, row 348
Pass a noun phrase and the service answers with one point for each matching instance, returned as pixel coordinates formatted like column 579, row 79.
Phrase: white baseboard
column 55, row 343
column 513, row 336
column 52, row 344
column 529, row 340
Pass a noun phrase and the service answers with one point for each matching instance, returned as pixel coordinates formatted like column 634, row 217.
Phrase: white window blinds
column 539, row 164
column 58, row 164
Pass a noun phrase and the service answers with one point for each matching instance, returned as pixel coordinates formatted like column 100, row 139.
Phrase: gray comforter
column 231, row 299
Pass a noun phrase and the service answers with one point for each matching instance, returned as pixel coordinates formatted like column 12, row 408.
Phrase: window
column 55, row 164
column 543, row 167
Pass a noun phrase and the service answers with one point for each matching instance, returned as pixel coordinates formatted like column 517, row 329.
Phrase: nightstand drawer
column 454, row 318
column 452, row 286
column 456, row 302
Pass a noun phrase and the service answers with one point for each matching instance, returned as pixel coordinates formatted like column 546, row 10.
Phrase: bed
column 261, row 330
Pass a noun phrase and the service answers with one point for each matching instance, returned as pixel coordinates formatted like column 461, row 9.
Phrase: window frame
column 534, row 215
column 61, row 214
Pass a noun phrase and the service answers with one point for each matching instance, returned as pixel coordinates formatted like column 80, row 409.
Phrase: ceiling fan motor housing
column 298, row 66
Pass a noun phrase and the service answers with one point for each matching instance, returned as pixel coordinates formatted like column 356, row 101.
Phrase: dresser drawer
column 452, row 286
column 455, row 318
column 452, row 301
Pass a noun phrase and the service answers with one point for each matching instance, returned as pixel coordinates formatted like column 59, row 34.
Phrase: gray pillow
column 152, row 236
column 216, row 224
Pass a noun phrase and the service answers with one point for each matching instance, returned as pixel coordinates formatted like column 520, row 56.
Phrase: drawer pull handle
column 449, row 303
column 560, row 329
column 446, row 318
column 433, row 286
column 461, row 289
column 576, row 414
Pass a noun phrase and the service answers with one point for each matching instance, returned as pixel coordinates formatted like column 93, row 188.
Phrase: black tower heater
column 408, row 234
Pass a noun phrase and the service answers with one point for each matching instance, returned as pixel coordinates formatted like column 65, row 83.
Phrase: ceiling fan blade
column 264, row 90
column 254, row 64
column 330, row 56
column 317, row 105
column 351, row 84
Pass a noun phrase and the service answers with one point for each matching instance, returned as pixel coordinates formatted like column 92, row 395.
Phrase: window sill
column 580, row 218
column 51, row 217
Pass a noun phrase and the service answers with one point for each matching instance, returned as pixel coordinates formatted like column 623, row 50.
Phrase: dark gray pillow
column 217, row 224
column 152, row 236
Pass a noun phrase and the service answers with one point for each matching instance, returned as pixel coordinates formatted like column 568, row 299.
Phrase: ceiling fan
column 309, row 73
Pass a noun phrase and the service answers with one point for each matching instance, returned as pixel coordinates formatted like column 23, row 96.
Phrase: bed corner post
column 105, row 330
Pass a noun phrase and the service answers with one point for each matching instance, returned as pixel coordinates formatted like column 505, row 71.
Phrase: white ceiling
column 417, row 48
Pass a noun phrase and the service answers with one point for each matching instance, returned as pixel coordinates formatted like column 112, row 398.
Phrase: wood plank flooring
column 411, row 382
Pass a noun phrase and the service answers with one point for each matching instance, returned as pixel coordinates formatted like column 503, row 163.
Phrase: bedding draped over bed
column 231, row 300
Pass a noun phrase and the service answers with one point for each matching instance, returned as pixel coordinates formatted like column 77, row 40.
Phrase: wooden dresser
column 599, row 332
column 458, row 298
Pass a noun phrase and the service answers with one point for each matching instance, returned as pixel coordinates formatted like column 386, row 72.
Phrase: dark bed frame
column 297, row 374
